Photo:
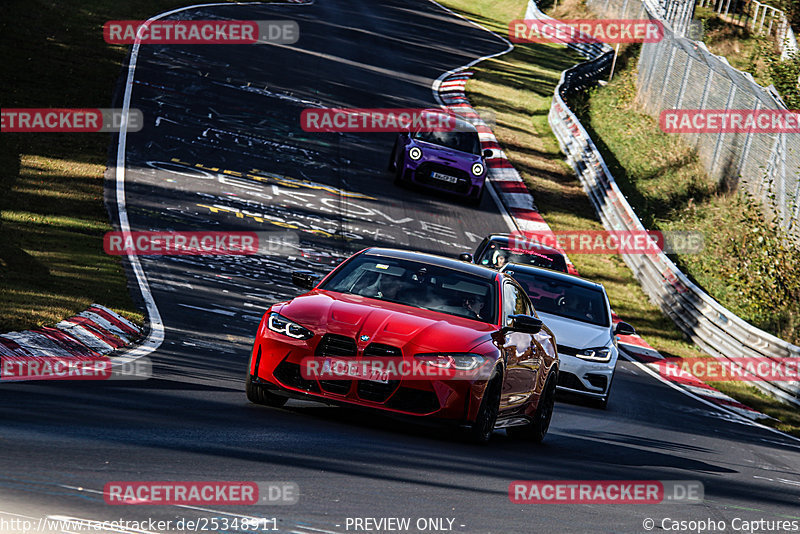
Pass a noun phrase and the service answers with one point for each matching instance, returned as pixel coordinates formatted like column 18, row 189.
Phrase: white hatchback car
column 578, row 313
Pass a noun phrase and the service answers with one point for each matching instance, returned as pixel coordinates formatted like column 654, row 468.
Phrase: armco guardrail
column 710, row 325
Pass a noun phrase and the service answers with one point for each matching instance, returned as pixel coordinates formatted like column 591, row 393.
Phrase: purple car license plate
column 444, row 177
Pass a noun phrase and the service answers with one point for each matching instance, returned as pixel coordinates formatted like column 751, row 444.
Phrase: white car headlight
column 280, row 324
column 415, row 153
column 477, row 169
column 600, row 354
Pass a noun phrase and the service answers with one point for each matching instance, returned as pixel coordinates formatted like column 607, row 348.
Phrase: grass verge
column 519, row 88
column 52, row 217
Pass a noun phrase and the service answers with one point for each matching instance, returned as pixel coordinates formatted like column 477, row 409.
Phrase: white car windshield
column 563, row 298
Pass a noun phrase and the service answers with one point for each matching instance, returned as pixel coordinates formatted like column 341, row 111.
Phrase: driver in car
column 577, row 306
column 474, row 304
column 387, row 287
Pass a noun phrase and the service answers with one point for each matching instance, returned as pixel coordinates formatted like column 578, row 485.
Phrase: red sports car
column 442, row 338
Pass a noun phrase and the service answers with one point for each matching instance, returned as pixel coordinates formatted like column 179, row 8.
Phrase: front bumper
column 591, row 379
column 276, row 364
column 467, row 185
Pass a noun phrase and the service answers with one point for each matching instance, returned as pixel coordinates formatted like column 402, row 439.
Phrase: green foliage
column 765, row 268
column 792, row 9
column 785, row 77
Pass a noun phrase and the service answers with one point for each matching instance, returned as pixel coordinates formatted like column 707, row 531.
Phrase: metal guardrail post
column 721, row 136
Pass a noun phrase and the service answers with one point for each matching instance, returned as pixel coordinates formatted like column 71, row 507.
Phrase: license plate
column 340, row 369
column 444, row 177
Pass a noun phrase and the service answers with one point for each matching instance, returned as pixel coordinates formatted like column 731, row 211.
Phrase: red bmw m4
column 415, row 335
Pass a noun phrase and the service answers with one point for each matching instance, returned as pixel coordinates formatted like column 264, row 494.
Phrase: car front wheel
column 392, row 167
column 258, row 395
column 603, row 403
column 478, row 198
column 481, row 430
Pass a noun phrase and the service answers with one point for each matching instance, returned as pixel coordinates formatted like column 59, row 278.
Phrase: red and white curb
column 504, row 177
column 518, row 201
column 95, row 332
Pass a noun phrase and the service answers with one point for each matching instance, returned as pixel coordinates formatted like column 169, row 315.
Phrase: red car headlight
column 459, row 361
column 280, row 324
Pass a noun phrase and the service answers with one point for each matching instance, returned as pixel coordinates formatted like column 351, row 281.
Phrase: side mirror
column 304, row 279
column 525, row 323
column 465, row 256
column 624, row 329
column 488, row 153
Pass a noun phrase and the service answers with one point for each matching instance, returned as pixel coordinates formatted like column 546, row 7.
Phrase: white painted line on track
column 210, row 310
column 739, row 418
column 156, row 335
column 318, row 529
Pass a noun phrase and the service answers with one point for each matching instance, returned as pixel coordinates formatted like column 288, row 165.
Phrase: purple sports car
column 450, row 161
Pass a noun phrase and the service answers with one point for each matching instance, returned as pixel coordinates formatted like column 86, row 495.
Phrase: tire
column 258, row 395
column 398, row 175
column 392, row 167
column 602, row 404
column 482, row 428
column 537, row 429
column 476, row 201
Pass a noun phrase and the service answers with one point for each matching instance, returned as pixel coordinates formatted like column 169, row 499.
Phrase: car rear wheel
column 481, row 430
column 258, row 395
column 537, row 429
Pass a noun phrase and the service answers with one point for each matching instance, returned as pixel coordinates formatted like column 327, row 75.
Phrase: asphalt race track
column 223, row 150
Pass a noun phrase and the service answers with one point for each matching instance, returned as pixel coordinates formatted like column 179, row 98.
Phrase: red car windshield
column 462, row 141
column 418, row 285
